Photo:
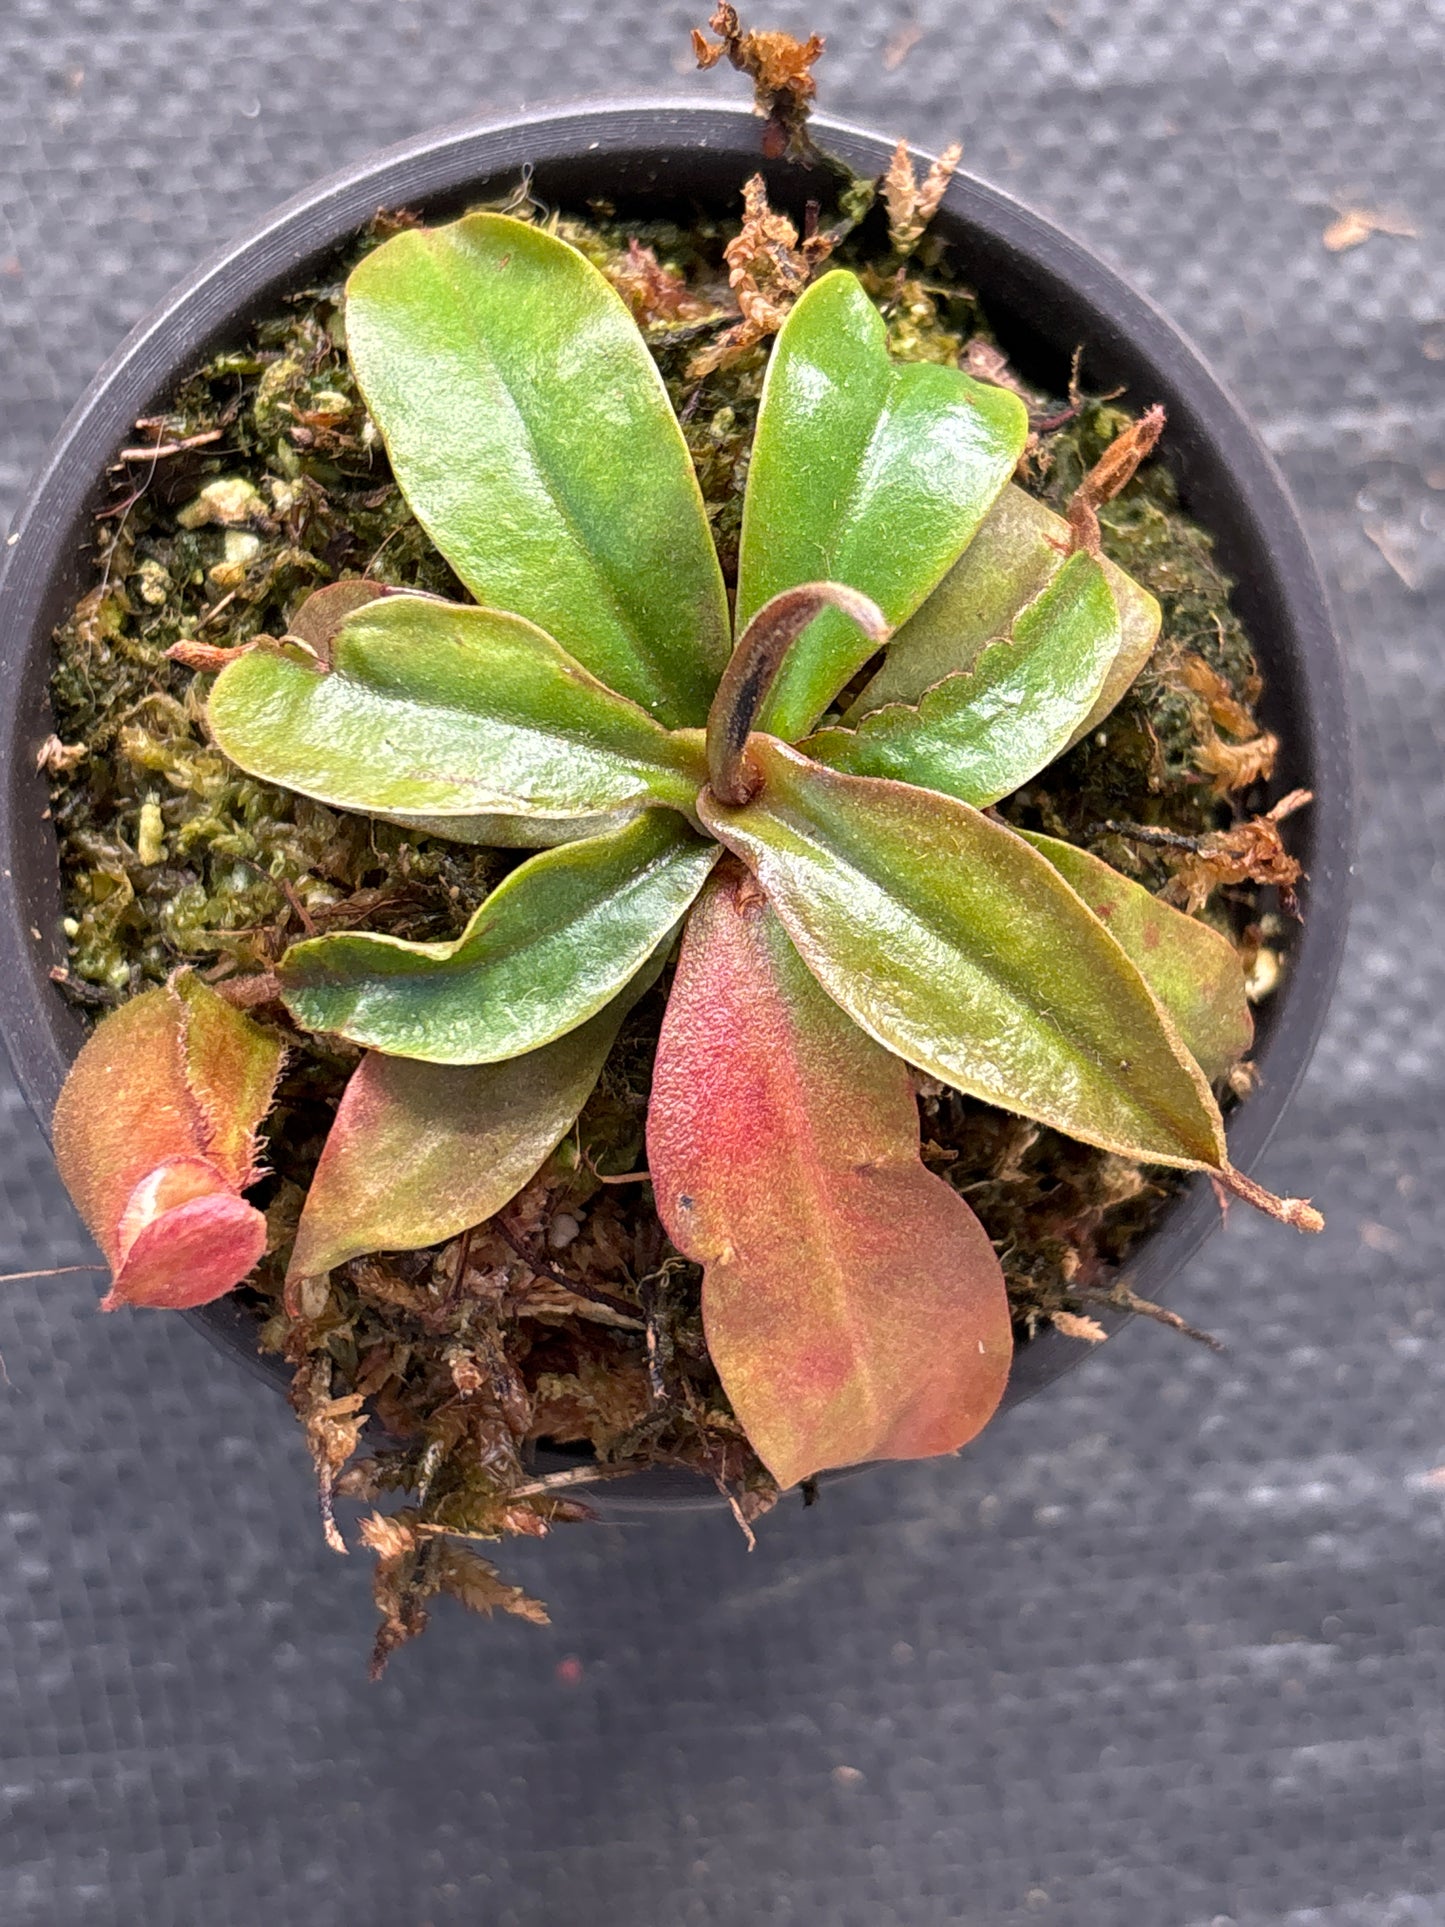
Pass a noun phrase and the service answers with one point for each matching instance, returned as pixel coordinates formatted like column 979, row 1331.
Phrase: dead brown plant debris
column 780, row 69
column 1353, row 225
column 768, row 268
column 656, row 294
column 912, row 203
column 1113, row 471
column 1250, row 852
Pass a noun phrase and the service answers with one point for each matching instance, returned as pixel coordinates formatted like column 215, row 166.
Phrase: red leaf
column 155, row 1137
column 194, row 1250
column 853, row 1304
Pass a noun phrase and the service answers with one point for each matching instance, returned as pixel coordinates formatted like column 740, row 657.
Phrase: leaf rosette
column 792, row 795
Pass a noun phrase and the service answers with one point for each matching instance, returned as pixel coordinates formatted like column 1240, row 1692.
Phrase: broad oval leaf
column 155, row 1138
column 532, row 436
column 433, row 709
column 1017, row 552
column 981, row 734
column 1194, row 972
column 852, row 1302
column 553, row 943
column 864, row 471
column 955, row 944
column 418, row 1152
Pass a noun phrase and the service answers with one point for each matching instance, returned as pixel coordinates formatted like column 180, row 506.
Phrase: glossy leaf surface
column 864, row 471
column 419, row 1152
column 155, row 1138
column 1019, row 549
column 981, row 734
column 1193, row 971
column 553, row 943
column 433, row 709
column 852, row 1302
column 533, row 437
column 514, row 832
column 956, row 944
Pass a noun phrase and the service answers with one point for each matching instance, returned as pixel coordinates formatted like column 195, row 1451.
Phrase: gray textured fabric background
column 1165, row 1648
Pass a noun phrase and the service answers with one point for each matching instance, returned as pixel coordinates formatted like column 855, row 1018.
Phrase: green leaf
column 553, row 943
column 1017, row 552
column 532, row 435
column 1194, row 972
column 419, row 1152
column 852, row 1302
column 951, row 941
column 864, row 471
column 516, row 832
column 155, row 1138
column 981, row 734
column 433, row 709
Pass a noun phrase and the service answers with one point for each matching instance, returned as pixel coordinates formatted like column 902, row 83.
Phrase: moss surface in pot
column 759, row 796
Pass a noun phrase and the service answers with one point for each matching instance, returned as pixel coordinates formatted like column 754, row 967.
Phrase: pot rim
column 1213, row 446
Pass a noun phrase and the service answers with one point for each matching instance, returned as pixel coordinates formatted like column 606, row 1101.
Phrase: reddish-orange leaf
column 155, row 1137
column 853, row 1304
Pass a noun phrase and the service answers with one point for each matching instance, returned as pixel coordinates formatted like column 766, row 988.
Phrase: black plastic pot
column 1044, row 294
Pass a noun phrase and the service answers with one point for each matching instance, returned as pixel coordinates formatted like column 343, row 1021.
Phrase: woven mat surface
column 1165, row 1649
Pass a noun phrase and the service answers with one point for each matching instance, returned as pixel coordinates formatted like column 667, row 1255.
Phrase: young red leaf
column 155, row 1137
column 853, row 1304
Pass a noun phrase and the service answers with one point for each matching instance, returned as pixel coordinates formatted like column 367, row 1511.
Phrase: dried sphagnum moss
column 269, row 481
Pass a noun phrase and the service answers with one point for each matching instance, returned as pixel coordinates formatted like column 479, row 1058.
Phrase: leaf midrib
column 545, row 469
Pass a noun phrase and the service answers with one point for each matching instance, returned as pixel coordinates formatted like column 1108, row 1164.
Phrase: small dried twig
column 593, row 1474
column 1120, row 1298
column 1143, row 833
column 1298, row 1212
column 55, row 1271
column 159, row 451
column 216, row 609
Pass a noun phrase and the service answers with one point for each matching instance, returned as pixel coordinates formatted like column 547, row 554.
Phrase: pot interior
column 1045, row 296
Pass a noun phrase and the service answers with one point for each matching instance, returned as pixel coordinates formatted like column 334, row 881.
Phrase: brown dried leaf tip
column 1251, row 852
column 912, row 204
column 768, row 268
column 780, row 69
column 1113, row 472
